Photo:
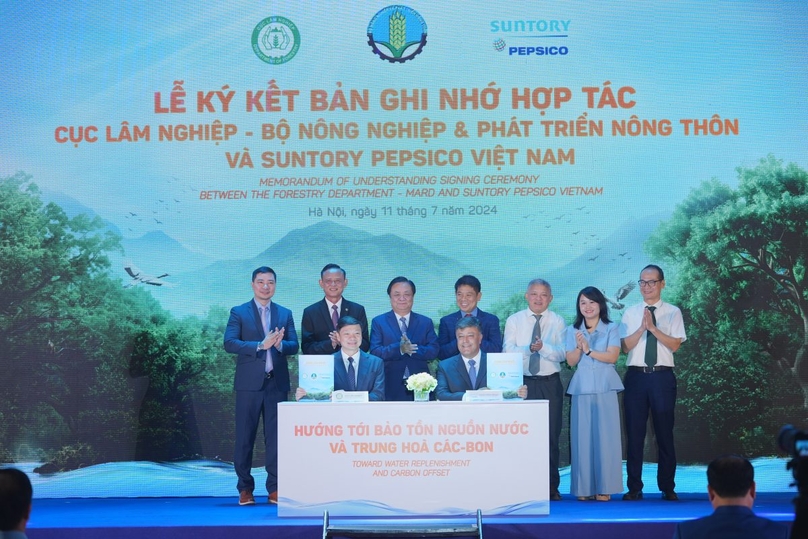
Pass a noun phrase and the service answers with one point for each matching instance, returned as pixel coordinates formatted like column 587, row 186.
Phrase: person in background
column 354, row 370
column 467, row 294
column 538, row 334
column 731, row 488
column 593, row 345
column 403, row 339
column 262, row 334
column 650, row 333
column 16, row 494
column 319, row 324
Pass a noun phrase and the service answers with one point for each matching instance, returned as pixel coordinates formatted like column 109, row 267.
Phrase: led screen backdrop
column 152, row 155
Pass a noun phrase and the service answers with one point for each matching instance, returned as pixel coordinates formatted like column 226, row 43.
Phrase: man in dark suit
column 467, row 294
column 354, row 370
column 455, row 373
column 467, row 370
column 320, row 319
column 731, row 488
column 403, row 339
column 262, row 334
column 15, row 503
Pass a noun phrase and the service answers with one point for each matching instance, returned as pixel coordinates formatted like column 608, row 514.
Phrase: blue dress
column 596, row 466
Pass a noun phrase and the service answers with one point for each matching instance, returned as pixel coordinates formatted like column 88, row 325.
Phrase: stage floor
column 178, row 518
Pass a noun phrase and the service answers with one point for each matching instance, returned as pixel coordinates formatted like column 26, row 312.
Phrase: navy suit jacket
column 317, row 325
column 453, row 378
column 731, row 522
column 369, row 377
column 242, row 336
column 447, row 339
column 385, row 342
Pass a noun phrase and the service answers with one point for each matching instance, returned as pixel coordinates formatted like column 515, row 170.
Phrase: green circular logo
column 275, row 40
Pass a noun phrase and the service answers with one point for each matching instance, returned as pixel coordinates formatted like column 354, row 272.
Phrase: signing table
column 413, row 458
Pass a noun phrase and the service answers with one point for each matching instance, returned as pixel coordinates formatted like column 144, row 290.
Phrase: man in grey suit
column 262, row 334
column 731, row 488
column 354, row 370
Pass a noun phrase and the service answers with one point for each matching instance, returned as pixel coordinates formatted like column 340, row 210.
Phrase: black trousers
column 549, row 388
column 653, row 392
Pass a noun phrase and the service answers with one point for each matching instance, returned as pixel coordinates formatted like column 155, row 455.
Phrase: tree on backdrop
column 740, row 258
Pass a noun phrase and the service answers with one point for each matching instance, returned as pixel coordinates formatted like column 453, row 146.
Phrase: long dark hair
column 590, row 292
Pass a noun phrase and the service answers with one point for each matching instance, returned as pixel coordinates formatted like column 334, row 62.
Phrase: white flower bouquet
column 422, row 381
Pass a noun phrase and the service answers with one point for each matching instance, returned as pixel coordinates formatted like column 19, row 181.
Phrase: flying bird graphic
column 138, row 277
column 621, row 293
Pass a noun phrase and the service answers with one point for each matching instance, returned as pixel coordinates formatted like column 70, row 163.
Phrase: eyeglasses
column 649, row 284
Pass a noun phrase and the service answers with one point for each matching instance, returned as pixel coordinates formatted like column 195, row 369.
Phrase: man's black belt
column 648, row 370
column 548, row 377
column 270, row 375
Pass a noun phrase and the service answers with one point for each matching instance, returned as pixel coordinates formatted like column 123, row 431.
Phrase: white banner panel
column 413, row 459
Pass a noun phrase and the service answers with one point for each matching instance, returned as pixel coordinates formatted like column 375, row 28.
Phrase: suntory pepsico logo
column 275, row 40
column 397, row 33
column 526, row 37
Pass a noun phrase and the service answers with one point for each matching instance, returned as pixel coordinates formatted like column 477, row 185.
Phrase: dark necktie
column 334, row 316
column 651, row 343
column 351, row 375
column 535, row 358
column 472, row 373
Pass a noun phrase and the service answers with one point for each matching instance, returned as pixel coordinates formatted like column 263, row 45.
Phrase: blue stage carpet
column 208, row 518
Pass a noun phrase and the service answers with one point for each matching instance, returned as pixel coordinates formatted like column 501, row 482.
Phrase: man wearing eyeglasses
column 650, row 333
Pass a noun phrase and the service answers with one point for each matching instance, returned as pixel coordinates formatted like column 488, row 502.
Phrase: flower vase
column 421, row 395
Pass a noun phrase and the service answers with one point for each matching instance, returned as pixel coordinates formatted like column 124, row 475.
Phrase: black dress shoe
column 670, row 495
column 633, row 495
column 555, row 496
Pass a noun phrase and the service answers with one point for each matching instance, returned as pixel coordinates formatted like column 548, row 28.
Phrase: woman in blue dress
column 593, row 344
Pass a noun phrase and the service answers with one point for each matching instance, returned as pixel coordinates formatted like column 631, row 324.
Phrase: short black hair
column 264, row 269
column 347, row 321
column 469, row 322
column 400, row 279
column 730, row 476
column 15, row 498
column 469, row 280
column 329, row 267
column 657, row 268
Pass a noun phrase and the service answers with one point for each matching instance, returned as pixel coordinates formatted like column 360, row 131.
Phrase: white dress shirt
column 668, row 320
column 519, row 336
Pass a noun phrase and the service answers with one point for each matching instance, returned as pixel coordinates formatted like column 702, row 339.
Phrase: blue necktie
column 351, row 375
column 472, row 373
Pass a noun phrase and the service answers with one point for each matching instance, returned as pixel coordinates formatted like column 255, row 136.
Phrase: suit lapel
column 463, row 373
column 362, row 373
column 482, row 372
column 274, row 321
column 340, row 374
column 257, row 318
column 326, row 314
column 392, row 319
column 345, row 310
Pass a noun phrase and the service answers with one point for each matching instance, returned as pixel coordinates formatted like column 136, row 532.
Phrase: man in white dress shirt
column 650, row 332
column 538, row 334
